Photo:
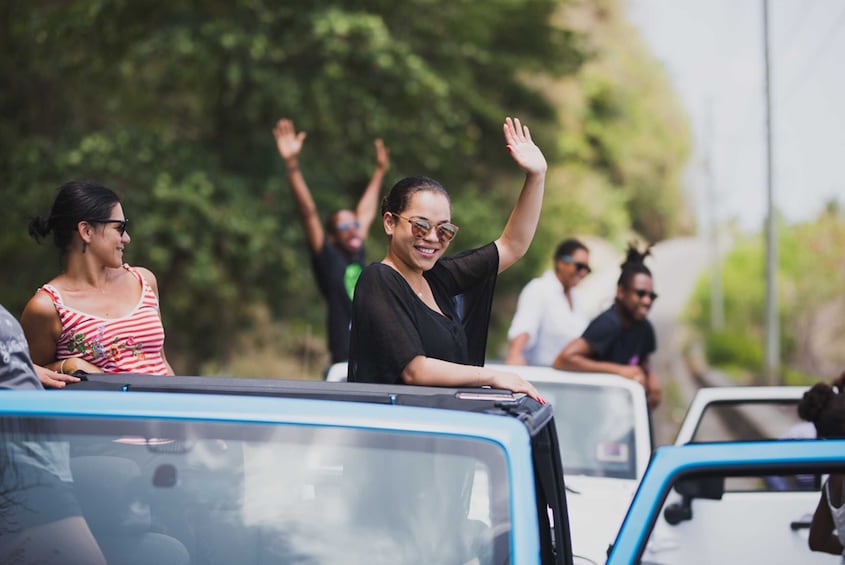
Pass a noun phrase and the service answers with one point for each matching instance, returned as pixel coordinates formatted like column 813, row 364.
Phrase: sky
column 713, row 52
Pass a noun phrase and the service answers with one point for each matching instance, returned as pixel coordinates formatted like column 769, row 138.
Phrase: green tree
column 172, row 105
column 810, row 302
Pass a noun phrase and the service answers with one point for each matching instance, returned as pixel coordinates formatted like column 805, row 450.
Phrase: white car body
column 591, row 409
column 761, row 405
column 748, row 504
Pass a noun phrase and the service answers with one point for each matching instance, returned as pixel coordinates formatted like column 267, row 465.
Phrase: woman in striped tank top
column 100, row 315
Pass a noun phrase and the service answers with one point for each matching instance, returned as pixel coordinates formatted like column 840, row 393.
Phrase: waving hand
column 527, row 155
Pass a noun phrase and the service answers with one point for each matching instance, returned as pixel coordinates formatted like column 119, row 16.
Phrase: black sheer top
column 391, row 325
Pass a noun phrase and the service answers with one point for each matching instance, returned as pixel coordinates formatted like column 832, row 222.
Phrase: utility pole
column 772, row 349
column 717, row 305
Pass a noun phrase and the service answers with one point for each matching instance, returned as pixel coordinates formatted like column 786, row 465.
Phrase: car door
column 719, row 526
column 783, row 503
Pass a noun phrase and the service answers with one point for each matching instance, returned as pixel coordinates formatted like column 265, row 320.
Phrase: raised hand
column 288, row 141
column 382, row 155
column 523, row 150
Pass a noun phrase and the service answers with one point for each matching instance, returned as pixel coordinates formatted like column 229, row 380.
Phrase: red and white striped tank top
column 131, row 344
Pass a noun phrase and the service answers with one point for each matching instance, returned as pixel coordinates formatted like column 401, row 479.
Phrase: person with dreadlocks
column 620, row 340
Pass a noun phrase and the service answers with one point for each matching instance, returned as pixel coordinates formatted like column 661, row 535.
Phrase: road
column 676, row 265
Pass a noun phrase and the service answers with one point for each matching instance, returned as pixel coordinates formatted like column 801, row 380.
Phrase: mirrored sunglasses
column 421, row 227
column 578, row 265
column 346, row 226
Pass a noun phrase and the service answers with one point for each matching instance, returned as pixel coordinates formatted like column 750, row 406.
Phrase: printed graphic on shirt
column 350, row 278
column 11, row 346
column 101, row 350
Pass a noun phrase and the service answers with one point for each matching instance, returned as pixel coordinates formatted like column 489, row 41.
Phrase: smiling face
column 637, row 297
column 346, row 231
column 406, row 249
column 107, row 239
column 571, row 269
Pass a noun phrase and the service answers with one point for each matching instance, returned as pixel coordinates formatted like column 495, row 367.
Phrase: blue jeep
column 213, row 471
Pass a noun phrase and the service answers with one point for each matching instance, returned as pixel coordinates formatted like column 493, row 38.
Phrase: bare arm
column 289, row 144
column 427, row 371
column 369, row 202
column 516, row 350
column 522, row 223
column 577, row 356
column 653, row 388
column 821, row 536
column 42, row 328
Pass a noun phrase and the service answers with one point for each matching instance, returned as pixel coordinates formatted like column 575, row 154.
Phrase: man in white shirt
column 548, row 314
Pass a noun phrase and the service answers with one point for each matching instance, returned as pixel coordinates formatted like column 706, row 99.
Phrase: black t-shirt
column 391, row 325
column 617, row 344
column 336, row 274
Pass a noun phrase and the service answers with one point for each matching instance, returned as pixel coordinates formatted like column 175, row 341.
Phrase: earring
column 84, row 246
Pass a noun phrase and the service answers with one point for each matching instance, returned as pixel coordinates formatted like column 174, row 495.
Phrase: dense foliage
column 172, row 105
column 811, row 306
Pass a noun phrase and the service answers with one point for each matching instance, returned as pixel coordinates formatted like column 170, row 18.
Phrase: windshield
column 595, row 427
column 249, row 493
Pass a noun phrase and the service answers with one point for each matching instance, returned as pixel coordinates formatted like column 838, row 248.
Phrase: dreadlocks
column 633, row 265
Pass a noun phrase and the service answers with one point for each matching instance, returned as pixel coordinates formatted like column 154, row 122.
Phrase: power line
column 802, row 79
column 798, row 24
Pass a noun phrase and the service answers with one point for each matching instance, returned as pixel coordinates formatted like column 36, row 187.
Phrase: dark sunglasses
column 642, row 293
column 346, row 226
column 421, row 227
column 578, row 266
column 121, row 224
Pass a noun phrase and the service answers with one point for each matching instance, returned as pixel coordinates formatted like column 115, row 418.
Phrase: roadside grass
column 810, row 308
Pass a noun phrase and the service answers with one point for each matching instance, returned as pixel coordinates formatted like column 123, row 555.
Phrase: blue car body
column 486, row 422
column 671, row 465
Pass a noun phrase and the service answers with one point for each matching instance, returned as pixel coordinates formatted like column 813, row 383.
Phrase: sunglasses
column 421, row 227
column 642, row 293
column 121, row 224
column 579, row 266
column 346, row 226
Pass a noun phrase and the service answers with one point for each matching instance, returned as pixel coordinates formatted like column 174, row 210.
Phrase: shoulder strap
column 53, row 293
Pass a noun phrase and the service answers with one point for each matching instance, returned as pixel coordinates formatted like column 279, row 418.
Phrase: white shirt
column 543, row 312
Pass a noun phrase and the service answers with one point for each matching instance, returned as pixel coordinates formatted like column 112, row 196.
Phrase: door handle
column 796, row 525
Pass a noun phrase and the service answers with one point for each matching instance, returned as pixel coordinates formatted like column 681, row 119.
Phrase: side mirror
column 711, row 488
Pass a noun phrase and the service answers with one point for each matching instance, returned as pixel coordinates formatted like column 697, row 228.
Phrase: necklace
column 102, row 289
column 421, row 291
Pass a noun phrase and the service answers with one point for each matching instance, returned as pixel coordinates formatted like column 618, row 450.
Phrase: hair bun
column 633, row 256
column 815, row 401
column 39, row 227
